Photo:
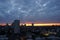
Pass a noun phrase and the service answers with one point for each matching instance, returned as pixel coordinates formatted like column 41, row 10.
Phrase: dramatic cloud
column 30, row 10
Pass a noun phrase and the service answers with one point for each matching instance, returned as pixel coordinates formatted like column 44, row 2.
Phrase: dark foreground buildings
column 17, row 32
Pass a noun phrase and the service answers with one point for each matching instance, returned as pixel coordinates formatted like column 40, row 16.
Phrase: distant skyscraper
column 16, row 23
column 16, row 26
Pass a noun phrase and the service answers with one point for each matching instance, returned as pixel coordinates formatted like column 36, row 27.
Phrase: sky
column 29, row 10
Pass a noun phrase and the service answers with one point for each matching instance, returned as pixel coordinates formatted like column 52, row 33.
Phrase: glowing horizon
column 37, row 24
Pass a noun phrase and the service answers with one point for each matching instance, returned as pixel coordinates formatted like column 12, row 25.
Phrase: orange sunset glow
column 40, row 24
column 36, row 24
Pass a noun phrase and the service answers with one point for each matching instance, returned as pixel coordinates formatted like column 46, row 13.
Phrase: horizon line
column 36, row 24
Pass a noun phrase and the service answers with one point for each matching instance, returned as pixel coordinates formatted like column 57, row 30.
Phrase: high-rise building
column 16, row 23
column 16, row 26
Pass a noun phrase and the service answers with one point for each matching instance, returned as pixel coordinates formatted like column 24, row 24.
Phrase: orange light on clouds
column 42, row 24
column 2, row 24
column 9, row 24
column 47, row 24
column 36, row 24
column 28, row 24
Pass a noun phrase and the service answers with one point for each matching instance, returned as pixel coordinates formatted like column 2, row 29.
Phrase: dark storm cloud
column 30, row 10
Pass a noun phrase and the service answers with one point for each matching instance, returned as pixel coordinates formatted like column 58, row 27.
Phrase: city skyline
column 30, row 24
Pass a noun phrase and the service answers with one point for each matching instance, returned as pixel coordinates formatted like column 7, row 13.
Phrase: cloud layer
column 30, row 10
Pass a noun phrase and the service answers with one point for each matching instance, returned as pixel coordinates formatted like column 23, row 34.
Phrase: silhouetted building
column 32, row 24
column 16, row 23
column 15, row 30
column 7, row 24
column 16, row 26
